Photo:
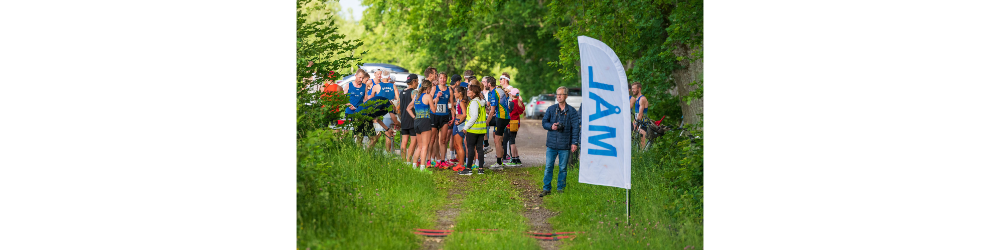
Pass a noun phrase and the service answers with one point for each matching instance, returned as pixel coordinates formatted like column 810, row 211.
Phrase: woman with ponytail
column 421, row 110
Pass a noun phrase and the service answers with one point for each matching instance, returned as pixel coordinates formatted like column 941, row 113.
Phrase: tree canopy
column 536, row 41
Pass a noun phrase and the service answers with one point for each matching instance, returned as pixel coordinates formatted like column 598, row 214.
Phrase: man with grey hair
column 563, row 124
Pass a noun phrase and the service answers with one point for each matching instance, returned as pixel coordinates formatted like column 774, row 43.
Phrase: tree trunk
column 690, row 72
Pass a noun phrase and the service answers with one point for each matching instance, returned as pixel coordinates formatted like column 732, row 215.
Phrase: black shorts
column 366, row 128
column 509, row 138
column 438, row 121
column 501, row 126
column 408, row 131
column 422, row 125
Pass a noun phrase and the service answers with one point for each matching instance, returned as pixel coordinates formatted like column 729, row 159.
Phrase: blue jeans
column 550, row 158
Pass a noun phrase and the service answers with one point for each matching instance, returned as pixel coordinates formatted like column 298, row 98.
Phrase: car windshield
column 547, row 98
column 575, row 92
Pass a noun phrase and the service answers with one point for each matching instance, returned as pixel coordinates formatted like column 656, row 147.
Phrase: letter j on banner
column 606, row 151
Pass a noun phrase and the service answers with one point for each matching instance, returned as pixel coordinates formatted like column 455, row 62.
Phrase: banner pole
column 626, row 207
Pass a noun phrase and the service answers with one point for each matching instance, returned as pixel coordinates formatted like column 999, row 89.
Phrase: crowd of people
column 447, row 122
column 442, row 122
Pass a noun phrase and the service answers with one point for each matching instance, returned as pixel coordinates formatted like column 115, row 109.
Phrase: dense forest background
column 660, row 42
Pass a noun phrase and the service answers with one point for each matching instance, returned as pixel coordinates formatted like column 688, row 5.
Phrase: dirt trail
column 538, row 216
column 446, row 216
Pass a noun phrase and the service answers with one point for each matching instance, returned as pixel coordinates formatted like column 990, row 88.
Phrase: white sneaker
column 495, row 166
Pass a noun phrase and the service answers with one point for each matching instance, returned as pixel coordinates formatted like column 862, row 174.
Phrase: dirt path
column 446, row 216
column 531, row 146
column 534, row 211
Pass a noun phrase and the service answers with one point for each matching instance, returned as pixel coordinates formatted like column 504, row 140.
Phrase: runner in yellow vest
column 475, row 127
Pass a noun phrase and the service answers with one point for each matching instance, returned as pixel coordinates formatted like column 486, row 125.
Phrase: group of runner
column 432, row 112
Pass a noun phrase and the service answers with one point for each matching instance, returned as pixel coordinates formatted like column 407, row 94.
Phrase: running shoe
column 465, row 172
column 481, row 171
column 496, row 166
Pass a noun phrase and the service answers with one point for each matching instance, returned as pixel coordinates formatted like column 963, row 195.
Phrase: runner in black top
column 406, row 121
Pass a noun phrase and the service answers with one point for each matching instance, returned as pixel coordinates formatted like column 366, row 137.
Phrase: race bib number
column 441, row 107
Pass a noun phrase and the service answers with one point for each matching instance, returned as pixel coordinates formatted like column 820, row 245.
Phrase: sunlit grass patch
column 491, row 203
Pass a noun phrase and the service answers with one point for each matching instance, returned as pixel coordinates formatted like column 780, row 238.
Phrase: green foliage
column 351, row 198
column 470, row 35
column 322, row 51
column 643, row 33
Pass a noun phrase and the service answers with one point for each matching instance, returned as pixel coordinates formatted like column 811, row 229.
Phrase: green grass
column 656, row 222
column 491, row 203
column 350, row 198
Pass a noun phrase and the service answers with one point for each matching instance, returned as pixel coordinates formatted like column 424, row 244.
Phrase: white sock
column 422, row 167
column 414, row 165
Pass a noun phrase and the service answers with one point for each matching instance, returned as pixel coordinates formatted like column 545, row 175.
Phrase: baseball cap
column 411, row 77
column 514, row 91
column 463, row 84
column 455, row 78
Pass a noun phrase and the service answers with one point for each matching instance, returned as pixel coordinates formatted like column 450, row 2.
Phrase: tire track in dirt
column 534, row 211
column 446, row 216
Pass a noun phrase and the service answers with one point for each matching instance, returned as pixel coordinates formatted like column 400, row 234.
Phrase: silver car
column 529, row 109
column 541, row 104
column 575, row 98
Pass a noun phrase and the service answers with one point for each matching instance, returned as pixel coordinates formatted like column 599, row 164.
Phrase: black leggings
column 474, row 146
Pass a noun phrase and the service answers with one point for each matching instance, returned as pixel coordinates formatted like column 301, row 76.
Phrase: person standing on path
column 407, row 132
column 421, row 110
column 490, row 123
column 563, row 124
column 440, row 119
column 501, row 109
column 430, row 75
column 516, row 109
column 458, row 141
column 475, row 128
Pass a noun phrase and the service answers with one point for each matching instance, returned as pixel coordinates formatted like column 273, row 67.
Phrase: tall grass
column 351, row 198
column 491, row 203
column 665, row 200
